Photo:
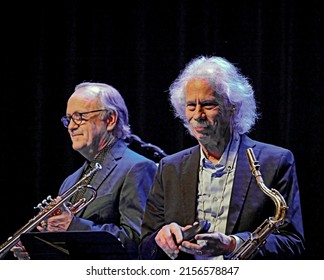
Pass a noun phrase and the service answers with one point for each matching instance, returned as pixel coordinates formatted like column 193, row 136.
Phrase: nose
column 72, row 125
column 199, row 112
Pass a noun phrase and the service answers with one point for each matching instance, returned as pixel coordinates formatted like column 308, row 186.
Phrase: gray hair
column 111, row 100
column 228, row 83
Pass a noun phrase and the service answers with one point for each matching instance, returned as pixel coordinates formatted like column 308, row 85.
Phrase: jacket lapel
column 108, row 166
column 241, row 184
column 189, row 181
column 110, row 162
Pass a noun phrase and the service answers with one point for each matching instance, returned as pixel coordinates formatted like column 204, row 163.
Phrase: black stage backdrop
column 139, row 47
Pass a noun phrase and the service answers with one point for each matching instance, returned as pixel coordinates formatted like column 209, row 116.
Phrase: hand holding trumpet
column 58, row 221
column 51, row 208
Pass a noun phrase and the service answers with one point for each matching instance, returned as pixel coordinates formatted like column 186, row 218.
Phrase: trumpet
column 50, row 207
column 258, row 238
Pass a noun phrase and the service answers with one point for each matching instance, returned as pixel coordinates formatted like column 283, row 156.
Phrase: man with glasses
column 97, row 122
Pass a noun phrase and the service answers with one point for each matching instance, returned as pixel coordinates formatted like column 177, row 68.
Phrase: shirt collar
column 227, row 159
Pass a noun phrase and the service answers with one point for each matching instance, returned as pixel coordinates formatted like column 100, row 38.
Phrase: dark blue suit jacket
column 122, row 187
column 174, row 199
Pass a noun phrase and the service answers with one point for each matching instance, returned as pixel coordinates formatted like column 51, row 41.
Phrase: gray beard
column 214, row 144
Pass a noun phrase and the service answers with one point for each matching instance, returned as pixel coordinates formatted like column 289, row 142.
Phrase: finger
column 173, row 255
column 205, row 236
column 169, row 235
column 39, row 228
column 55, row 227
column 22, row 256
column 19, row 247
column 190, row 250
column 186, row 227
column 203, row 243
column 190, row 245
column 16, row 249
column 175, row 233
column 164, row 239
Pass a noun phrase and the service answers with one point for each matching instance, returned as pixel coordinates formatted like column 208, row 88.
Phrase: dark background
column 139, row 47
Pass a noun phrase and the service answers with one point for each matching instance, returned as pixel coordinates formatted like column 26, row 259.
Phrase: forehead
column 198, row 86
column 82, row 100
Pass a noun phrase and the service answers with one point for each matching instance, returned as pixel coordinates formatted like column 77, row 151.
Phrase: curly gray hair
column 228, row 83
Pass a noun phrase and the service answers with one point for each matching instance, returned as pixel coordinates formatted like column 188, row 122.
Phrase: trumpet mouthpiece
column 98, row 166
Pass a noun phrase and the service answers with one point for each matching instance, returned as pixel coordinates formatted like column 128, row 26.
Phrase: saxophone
column 258, row 238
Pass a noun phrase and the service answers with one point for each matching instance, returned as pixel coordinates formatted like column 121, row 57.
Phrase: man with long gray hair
column 212, row 181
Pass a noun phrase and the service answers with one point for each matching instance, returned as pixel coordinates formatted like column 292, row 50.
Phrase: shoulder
column 267, row 150
column 189, row 153
column 184, row 163
column 127, row 159
column 133, row 156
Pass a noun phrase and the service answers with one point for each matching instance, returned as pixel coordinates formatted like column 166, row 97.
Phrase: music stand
column 73, row 245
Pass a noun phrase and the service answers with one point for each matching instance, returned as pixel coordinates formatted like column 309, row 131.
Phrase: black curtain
column 139, row 47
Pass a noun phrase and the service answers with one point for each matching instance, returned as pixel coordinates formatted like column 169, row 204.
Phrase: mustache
column 75, row 132
column 202, row 123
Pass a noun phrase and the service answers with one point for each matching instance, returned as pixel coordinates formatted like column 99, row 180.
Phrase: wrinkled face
column 207, row 118
column 90, row 135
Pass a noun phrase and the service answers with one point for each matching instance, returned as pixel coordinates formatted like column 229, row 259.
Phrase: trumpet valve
column 45, row 202
column 39, row 206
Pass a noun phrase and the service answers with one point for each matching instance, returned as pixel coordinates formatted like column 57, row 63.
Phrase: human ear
column 111, row 120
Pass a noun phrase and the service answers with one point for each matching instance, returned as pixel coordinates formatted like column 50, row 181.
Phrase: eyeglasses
column 77, row 117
